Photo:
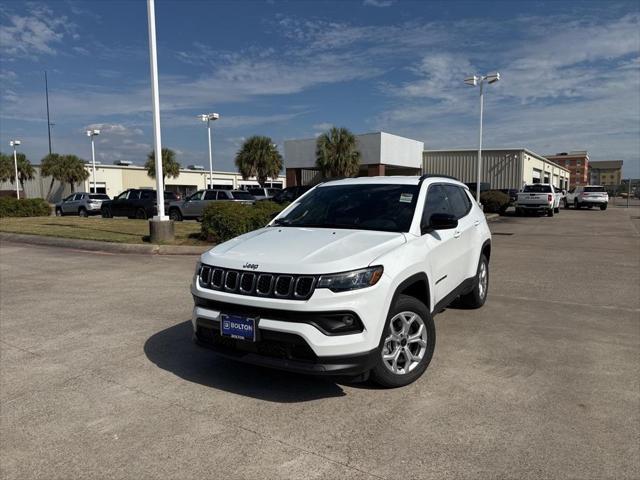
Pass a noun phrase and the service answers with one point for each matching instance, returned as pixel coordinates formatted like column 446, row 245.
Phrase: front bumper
column 281, row 351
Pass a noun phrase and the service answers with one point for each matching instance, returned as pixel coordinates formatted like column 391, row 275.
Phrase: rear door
column 193, row 206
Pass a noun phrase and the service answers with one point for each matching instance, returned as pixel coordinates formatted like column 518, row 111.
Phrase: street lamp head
column 493, row 77
column 14, row 143
column 472, row 81
column 91, row 133
column 208, row 116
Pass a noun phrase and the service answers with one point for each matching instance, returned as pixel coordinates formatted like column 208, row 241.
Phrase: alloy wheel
column 404, row 348
column 483, row 280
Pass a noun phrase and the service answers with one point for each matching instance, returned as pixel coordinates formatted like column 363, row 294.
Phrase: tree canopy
column 258, row 157
column 170, row 166
column 337, row 154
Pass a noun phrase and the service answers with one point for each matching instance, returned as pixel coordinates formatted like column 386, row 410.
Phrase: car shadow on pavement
column 173, row 350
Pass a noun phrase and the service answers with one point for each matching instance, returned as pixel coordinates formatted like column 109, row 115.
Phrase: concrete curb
column 97, row 246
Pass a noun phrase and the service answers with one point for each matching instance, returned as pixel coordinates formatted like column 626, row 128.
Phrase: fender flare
column 415, row 278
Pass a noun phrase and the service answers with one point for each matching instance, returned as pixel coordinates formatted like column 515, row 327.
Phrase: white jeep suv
column 346, row 280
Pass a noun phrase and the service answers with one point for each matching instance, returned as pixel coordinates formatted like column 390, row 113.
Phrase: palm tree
column 50, row 166
column 72, row 170
column 258, row 157
column 6, row 168
column 25, row 171
column 337, row 154
column 170, row 166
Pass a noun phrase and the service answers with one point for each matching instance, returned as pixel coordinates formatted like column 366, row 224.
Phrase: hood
column 303, row 250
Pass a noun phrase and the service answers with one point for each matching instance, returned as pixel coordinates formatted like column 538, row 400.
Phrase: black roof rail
column 435, row 175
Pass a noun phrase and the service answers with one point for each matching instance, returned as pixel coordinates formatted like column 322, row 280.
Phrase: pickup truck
column 587, row 196
column 538, row 197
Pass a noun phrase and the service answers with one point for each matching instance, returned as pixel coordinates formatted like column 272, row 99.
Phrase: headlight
column 198, row 267
column 341, row 282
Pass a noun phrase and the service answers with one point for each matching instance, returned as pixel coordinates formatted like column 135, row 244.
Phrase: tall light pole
column 14, row 144
column 475, row 81
column 209, row 117
column 91, row 134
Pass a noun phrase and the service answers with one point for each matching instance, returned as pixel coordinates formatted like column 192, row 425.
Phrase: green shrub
column 494, row 201
column 223, row 221
column 25, row 207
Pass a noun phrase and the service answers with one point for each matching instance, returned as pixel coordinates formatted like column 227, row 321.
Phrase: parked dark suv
column 135, row 203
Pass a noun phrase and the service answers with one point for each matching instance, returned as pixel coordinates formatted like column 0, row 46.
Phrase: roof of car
column 393, row 179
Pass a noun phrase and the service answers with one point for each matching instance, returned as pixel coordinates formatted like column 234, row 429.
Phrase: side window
column 222, row 195
column 436, row 202
column 122, row 196
column 458, row 200
column 146, row 195
column 69, row 198
column 210, row 195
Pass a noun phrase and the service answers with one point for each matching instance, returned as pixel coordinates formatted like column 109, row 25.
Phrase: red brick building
column 576, row 162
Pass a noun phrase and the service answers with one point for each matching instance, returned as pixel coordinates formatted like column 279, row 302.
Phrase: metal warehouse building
column 501, row 168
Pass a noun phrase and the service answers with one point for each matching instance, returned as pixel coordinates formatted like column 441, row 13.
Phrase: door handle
column 456, row 234
column 476, row 223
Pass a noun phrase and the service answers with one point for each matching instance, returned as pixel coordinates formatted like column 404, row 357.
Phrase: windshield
column 537, row 189
column 98, row 196
column 242, row 196
column 385, row 207
column 594, row 189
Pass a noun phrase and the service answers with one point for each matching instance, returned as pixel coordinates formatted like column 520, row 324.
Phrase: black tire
column 141, row 214
column 381, row 374
column 576, row 204
column 478, row 296
column 82, row 212
column 556, row 210
column 566, row 204
column 603, row 207
column 175, row 214
column 550, row 212
column 59, row 212
column 106, row 213
column 589, row 207
column 518, row 212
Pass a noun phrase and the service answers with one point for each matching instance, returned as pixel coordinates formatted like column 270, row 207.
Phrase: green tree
column 51, row 166
column 337, row 154
column 25, row 171
column 170, row 166
column 72, row 170
column 6, row 168
column 258, row 157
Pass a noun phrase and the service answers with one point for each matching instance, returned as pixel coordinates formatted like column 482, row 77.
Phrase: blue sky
column 570, row 74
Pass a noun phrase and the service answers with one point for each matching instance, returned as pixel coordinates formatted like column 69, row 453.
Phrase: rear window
column 242, row 196
column 594, row 189
column 537, row 189
column 99, row 196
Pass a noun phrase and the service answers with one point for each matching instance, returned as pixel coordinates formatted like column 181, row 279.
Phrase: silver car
column 193, row 206
column 81, row 203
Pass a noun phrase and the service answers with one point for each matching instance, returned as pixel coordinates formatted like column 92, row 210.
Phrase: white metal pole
column 629, row 192
column 155, row 97
column 15, row 164
column 480, row 143
column 210, row 155
column 93, row 159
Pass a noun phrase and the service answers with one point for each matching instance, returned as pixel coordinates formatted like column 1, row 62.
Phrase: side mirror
column 274, row 215
column 440, row 221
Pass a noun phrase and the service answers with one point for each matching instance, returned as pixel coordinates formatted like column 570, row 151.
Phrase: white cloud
column 39, row 32
column 378, row 3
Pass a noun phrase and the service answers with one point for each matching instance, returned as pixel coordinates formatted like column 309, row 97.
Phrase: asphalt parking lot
column 99, row 378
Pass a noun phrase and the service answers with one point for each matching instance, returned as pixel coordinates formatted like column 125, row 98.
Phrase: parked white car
column 346, row 280
column 587, row 196
column 82, row 204
column 538, row 197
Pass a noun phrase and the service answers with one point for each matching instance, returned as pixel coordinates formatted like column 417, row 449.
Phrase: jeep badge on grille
column 252, row 266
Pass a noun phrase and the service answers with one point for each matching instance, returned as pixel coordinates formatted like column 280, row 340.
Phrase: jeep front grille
column 257, row 284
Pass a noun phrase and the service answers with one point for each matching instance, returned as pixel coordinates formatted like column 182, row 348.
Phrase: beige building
column 113, row 179
column 503, row 168
column 608, row 172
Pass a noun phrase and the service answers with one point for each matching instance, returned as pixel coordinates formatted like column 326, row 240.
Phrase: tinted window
column 78, row 196
column 537, row 188
column 98, row 196
column 210, row 195
column 123, row 195
column 458, row 200
column 256, row 191
column 594, row 189
column 146, row 194
column 362, row 207
column 195, row 196
column 242, row 196
column 436, row 202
